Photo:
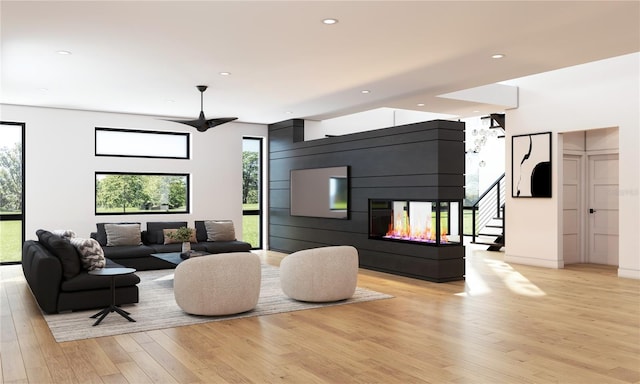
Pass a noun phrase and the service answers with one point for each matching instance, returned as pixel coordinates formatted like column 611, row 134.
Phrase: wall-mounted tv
column 320, row 192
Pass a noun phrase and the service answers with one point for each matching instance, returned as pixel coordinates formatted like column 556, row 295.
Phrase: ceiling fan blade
column 219, row 121
column 193, row 123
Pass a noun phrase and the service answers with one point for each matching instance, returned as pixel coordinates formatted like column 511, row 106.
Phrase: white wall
column 60, row 167
column 601, row 94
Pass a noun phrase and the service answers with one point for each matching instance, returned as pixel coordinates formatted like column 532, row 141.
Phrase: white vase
column 186, row 247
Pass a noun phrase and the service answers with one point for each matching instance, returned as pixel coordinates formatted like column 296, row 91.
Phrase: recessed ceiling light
column 64, row 52
column 497, row 56
column 289, row 112
column 225, row 73
column 365, row 91
column 476, row 111
column 330, row 21
column 420, row 104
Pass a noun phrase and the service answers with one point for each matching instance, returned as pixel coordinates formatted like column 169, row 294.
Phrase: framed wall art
column 531, row 165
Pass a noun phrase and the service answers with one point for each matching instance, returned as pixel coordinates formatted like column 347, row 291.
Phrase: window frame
column 140, row 131
column 144, row 212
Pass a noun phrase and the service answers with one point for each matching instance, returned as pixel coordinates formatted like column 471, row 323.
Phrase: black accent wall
column 421, row 161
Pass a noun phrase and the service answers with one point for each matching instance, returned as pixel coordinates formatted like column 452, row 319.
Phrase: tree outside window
column 134, row 193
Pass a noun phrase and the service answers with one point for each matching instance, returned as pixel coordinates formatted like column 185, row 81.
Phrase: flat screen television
column 320, row 192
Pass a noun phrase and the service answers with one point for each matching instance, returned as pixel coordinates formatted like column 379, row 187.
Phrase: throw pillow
column 91, row 253
column 123, row 234
column 101, row 234
column 63, row 250
column 68, row 233
column 168, row 240
column 220, row 230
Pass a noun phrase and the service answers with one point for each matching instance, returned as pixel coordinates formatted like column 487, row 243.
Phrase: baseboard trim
column 629, row 273
column 536, row 262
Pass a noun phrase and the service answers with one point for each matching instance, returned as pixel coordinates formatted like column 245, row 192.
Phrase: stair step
column 489, row 234
column 487, row 243
column 494, row 226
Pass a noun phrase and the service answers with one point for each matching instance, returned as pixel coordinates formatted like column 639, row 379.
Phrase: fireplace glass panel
column 422, row 222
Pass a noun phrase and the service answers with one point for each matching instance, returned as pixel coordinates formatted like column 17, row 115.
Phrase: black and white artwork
column 531, row 165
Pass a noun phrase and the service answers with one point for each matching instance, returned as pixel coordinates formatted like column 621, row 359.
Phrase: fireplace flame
column 402, row 230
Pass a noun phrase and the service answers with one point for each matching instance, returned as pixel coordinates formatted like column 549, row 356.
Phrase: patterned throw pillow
column 220, row 230
column 91, row 254
column 68, row 233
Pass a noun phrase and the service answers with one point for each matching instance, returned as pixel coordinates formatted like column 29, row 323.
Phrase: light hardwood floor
column 504, row 324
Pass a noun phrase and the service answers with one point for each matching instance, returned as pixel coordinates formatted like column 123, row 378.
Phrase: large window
column 137, row 143
column 252, row 191
column 11, row 191
column 141, row 193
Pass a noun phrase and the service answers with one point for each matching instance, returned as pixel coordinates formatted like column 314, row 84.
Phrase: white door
column 572, row 212
column 603, row 209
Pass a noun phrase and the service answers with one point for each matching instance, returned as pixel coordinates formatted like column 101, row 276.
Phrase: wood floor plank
column 506, row 323
column 152, row 368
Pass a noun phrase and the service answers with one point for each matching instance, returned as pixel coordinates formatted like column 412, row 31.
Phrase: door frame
column 582, row 204
column 587, row 183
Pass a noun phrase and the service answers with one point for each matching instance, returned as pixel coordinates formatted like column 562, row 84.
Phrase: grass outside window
column 11, row 245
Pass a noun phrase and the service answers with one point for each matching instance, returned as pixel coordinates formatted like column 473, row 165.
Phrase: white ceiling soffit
column 281, row 62
column 495, row 94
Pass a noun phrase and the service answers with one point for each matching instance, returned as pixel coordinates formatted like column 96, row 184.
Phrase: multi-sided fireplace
column 435, row 223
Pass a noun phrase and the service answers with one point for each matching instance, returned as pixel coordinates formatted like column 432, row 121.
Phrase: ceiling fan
column 202, row 124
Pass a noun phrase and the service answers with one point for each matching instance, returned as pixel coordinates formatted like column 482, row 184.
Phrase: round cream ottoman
column 218, row 284
column 320, row 274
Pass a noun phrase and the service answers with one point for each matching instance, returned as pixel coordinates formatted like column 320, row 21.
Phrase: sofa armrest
column 43, row 272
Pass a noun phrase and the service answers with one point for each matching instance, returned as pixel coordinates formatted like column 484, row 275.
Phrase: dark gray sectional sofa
column 139, row 256
column 53, row 271
column 55, row 275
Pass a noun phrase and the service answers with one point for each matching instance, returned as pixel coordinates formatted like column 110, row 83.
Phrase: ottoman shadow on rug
column 157, row 308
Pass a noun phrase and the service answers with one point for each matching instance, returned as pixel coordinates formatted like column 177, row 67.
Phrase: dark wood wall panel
column 419, row 161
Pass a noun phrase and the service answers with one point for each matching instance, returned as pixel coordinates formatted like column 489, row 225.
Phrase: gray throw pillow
column 220, row 230
column 91, row 253
column 123, row 234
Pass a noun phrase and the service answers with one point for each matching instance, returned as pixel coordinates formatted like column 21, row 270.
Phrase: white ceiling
column 146, row 57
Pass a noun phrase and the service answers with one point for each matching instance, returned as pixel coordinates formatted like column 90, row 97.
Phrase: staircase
column 487, row 216
column 492, row 234
column 487, row 212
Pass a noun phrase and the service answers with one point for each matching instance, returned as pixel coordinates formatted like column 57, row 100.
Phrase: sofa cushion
column 169, row 240
column 101, row 233
column 85, row 282
column 127, row 252
column 224, row 246
column 63, row 250
column 220, row 230
column 201, row 231
column 154, row 230
column 91, row 253
column 123, row 234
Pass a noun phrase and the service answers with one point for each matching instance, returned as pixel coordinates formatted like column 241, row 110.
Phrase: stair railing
column 489, row 205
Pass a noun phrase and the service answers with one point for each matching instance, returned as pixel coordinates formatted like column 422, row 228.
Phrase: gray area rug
column 157, row 308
